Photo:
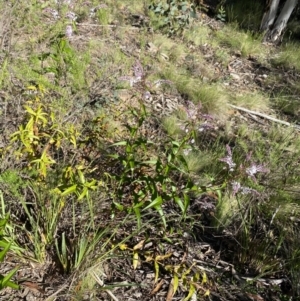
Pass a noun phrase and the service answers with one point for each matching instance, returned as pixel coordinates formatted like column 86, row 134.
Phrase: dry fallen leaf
column 139, row 245
column 157, row 287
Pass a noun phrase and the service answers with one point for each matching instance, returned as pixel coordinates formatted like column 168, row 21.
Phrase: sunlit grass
column 252, row 101
column 288, row 57
column 244, row 43
column 213, row 98
column 198, row 35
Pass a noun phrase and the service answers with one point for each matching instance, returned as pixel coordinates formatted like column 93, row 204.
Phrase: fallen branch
column 100, row 282
column 266, row 117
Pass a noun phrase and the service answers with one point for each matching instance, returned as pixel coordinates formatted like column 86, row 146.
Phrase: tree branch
column 266, row 117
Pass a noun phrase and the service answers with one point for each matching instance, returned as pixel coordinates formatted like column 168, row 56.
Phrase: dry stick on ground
column 53, row 296
column 100, row 282
column 266, row 117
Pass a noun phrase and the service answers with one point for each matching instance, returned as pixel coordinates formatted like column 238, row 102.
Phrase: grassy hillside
column 147, row 153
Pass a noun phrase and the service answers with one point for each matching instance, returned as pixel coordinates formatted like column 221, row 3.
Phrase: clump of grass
column 213, row 98
column 245, row 43
column 288, row 57
column 169, row 48
column 253, row 101
column 172, row 126
column 198, row 161
column 223, row 56
column 198, row 34
column 288, row 104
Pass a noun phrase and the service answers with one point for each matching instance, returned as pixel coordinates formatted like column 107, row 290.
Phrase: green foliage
column 221, row 14
column 5, row 281
column 173, row 15
column 64, row 61
column 151, row 180
column 40, row 136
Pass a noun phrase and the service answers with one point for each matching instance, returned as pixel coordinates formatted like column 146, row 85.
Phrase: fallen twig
column 266, row 117
column 51, row 298
column 100, row 282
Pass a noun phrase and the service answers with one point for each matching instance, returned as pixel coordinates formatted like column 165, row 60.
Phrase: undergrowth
column 90, row 174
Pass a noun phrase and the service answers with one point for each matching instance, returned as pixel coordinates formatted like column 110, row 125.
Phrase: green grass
column 288, row 57
column 253, row 101
column 244, row 43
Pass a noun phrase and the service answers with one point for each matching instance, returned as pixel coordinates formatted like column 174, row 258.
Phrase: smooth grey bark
column 274, row 31
column 269, row 16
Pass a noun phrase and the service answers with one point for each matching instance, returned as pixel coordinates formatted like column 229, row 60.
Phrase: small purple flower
column 138, row 71
column 252, row 170
column 71, row 16
column 237, row 187
column 138, row 74
column 53, row 12
column 147, row 95
column 228, row 159
column 69, row 31
column 248, row 190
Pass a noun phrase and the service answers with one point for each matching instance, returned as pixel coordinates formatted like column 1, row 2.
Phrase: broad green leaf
column 179, row 203
column 3, row 221
column 149, row 162
column 161, row 213
column 175, row 143
column 135, row 259
column 156, row 202
column 204, row 278
column 69, row 190
column 83, row 194
column 81, row 176
column 175, row 283
column 118, row 206
column 138, row 216
column 156, row 268
column 4, row 251
column 6, row 280
column 207, row 293
column 186, row 202
column 192, row 290
column 119, row 143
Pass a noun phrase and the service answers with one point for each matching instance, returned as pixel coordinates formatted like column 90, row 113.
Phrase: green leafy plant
column 5, row 281
column 40, row 135
column 150, row 179
column 64, row 62
column 173, row 15
column 221, row 14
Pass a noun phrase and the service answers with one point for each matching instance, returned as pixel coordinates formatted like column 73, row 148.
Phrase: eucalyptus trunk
column 275, row 25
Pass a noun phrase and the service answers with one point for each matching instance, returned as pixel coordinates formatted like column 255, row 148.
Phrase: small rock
column 235, row 76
